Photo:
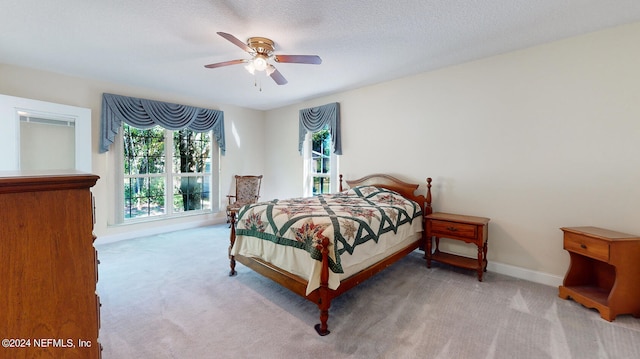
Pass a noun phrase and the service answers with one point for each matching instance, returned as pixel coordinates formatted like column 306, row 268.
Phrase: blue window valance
column 315, row 118
column 142, row 113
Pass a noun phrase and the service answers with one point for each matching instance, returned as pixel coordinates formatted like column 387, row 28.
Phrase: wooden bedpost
column 324, row 302
column 232, row 240
column 428, row 210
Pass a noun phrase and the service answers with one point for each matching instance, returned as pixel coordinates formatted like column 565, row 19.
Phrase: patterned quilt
column 349, row 219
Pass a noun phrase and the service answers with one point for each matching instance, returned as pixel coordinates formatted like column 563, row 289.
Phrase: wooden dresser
column 48, row 266
column 604, row 272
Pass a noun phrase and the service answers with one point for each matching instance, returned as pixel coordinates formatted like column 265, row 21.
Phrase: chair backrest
column 247, row 189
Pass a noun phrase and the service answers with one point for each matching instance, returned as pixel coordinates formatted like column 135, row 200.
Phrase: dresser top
column 31, row 181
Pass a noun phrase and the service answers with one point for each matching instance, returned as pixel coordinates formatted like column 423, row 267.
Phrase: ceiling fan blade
column 235, row 41
column 299, row 59
column 277, row 76
column 225, row 63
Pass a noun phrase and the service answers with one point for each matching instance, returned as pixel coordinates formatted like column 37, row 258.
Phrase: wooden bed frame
column 323, row 295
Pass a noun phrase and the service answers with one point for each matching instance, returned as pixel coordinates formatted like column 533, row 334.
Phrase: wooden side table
column 604, row 272
column 469, row 229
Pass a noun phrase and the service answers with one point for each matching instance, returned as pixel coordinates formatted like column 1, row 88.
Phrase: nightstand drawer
column 586, row 246
column 461, row 230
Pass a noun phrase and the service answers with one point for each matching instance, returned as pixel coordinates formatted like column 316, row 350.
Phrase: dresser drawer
column 586, row 246
column 460, row 230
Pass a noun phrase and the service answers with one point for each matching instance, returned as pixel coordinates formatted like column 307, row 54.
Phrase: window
column 154, row 186
column 321, row 162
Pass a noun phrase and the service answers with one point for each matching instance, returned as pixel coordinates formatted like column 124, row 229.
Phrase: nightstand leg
column 480, row 262
column 484, row 254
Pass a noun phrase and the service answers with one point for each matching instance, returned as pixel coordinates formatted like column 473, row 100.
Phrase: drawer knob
column 583, row 246
column 452, row 229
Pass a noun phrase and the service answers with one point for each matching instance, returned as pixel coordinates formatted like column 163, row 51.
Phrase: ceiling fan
column 261, row 51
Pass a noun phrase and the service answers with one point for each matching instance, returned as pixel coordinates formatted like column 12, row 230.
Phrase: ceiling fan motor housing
column 261, row 45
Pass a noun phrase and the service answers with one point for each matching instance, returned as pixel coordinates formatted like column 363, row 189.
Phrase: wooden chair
column 247, row 192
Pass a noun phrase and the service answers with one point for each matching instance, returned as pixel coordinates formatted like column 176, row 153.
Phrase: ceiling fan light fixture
column 270, row 69
column 249, row 67
column 260, row 62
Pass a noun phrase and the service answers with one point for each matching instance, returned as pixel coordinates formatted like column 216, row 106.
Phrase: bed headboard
column 389, row 182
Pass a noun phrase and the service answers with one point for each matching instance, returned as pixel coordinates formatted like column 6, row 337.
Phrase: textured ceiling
column 163, row 44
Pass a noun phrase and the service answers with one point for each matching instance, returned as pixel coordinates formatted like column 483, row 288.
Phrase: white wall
column 244, row 155
column 536, row 139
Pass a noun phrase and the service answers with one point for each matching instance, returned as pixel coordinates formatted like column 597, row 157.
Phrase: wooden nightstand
column 469, row 229
column 604, row 271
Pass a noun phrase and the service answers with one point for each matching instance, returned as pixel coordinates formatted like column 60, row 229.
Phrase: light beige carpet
column 169, row 296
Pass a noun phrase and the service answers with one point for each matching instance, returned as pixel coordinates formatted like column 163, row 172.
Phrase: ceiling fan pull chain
column 257, row 83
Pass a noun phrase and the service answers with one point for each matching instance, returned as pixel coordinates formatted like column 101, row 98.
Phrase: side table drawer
column 586, row 246
column 460, row 230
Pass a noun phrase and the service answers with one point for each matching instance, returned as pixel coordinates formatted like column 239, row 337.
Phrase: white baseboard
column 526, row 274
column 156, row 230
